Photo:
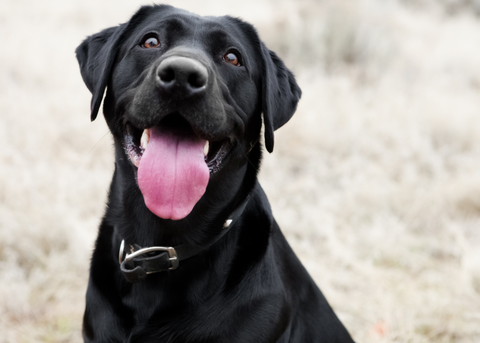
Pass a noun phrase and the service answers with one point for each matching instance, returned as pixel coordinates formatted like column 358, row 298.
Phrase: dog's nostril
column 197, row 80
column 167, row 74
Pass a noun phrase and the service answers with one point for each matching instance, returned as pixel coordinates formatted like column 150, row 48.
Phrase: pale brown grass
column 375, row 181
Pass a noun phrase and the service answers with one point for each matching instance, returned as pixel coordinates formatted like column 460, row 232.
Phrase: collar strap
column 140, row 262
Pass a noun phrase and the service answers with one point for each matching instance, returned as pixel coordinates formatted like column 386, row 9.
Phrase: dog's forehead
column 177, row 25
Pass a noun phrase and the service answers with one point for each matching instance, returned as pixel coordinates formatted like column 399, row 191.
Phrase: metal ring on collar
column 121, row 252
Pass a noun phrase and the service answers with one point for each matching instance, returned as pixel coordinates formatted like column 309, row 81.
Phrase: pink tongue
column 172, row 173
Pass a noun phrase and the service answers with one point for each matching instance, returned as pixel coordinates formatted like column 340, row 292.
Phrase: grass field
column 375, row 181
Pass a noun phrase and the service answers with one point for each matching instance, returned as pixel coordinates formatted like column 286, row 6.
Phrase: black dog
column 184, row 102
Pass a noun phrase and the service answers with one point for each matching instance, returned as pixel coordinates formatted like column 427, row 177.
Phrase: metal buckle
column 172, row 254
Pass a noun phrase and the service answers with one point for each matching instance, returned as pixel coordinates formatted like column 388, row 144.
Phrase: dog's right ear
column 281, row 94
column 96, row 55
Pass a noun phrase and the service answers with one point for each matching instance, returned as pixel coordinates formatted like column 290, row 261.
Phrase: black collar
column 142, row 261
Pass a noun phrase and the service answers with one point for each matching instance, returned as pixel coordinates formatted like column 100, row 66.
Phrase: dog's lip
column 136, row 140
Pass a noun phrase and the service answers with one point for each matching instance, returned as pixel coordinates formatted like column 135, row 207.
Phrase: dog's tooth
column 206, row 148
column 145, row 138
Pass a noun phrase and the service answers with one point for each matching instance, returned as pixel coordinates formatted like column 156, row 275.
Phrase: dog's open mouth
column 174, row 165
column 136, row 140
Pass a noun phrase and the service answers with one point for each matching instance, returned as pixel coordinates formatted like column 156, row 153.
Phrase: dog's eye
column 232, row 58
column 150, row 42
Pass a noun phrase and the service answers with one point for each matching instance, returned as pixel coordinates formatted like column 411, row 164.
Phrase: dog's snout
column 182, row 76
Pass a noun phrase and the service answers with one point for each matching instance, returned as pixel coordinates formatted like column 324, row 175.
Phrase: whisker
column 88, row 153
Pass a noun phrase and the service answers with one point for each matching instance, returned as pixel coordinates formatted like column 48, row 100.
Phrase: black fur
column 249, row 286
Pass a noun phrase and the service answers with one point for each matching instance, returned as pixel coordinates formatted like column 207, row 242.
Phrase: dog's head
column 184, row 98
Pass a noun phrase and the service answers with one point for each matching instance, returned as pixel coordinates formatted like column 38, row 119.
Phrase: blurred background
column 375, row 181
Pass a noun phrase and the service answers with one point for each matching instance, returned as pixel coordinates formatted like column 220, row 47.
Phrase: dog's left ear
column 281, row 94
column 96, row 55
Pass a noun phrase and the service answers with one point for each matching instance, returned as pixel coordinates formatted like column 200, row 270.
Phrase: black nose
column 182, row 76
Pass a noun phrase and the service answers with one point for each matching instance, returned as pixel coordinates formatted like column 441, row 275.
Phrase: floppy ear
column 281, row 94
column 96, row 55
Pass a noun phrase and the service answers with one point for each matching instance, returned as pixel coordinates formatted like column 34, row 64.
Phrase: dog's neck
column 136, row 224
column 131, row 221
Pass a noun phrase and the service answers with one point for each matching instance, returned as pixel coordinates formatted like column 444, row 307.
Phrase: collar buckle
column 172, row 254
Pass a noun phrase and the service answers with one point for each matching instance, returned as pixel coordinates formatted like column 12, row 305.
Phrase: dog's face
column 184, row 99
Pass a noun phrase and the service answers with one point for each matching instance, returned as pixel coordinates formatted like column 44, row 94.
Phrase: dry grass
column 380, row 167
